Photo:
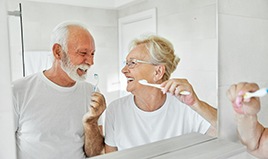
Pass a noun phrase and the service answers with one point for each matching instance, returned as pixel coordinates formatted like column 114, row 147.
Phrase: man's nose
column 89, row 59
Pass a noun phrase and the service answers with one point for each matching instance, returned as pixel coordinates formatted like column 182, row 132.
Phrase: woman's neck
column 150, row 101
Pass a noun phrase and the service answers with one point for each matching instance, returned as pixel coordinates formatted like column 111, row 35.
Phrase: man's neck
column 59, row 77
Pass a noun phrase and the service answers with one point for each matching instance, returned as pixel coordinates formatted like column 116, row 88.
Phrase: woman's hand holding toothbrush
column 182, row 89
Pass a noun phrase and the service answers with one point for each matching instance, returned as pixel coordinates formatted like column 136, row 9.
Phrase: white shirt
column 127, row 126
column 48, row 118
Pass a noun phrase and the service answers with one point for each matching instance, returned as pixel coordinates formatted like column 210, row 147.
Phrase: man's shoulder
column 85, row 84
column 25, row 79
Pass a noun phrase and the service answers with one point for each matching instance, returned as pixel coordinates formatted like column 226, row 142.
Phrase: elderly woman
column 151, row 114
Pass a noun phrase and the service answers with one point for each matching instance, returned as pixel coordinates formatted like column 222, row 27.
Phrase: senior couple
column 58, row 114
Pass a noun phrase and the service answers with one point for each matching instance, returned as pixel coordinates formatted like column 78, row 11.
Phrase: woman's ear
column 159, row 72
column 57, row 51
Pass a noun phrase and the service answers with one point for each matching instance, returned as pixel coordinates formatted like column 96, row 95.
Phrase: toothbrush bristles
column 96, row 77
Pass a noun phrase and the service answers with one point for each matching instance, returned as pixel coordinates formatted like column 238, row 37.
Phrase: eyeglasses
column 133, row 62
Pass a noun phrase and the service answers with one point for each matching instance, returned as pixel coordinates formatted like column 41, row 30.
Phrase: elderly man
column 49, row 106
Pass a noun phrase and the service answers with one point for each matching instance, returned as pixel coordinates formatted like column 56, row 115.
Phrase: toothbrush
column 144, row 82
column 259, row 93
column 96, row 77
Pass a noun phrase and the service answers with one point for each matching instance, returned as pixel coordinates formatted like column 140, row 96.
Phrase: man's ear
column 57, row 51
column 159, row 72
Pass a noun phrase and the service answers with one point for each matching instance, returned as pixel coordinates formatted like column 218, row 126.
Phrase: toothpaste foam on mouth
column 130, row 79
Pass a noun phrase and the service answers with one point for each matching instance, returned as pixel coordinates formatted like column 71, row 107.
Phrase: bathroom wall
column 192, row 28
column 7, row 138
column 243, row 54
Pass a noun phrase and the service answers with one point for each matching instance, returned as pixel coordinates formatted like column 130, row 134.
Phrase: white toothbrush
column 96, row 77
column 259, row 93
column 144, row 82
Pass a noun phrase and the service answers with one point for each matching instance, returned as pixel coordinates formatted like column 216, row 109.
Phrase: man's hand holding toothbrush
column 242, row 105
column 250, row 131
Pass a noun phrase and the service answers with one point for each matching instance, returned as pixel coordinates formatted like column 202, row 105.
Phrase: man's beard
column 71, row 69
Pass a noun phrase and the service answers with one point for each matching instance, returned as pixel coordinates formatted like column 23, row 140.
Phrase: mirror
column 190, row 25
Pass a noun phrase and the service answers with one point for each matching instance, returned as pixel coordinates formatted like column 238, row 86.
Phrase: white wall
column 104, row 4
column 7, row 136
column 108, row 4
column 191, row 27
column 243, row 54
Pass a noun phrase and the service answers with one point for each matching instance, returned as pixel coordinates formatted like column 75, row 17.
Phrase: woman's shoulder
column 120, row 102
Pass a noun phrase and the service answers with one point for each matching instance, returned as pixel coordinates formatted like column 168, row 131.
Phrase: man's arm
column 109, row 149
column 251, row 133
column 94, row 140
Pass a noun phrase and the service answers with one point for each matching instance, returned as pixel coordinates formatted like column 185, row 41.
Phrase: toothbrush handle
column 155, row 85
column 158, row 86
column 184, row 93
column 259, row 93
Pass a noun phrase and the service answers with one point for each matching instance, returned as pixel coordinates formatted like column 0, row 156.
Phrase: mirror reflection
column 189, row 26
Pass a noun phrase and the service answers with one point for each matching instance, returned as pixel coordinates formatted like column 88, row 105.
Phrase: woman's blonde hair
column 161, row 52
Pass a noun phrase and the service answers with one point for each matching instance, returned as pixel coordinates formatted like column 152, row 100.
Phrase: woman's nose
column 124, row 69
